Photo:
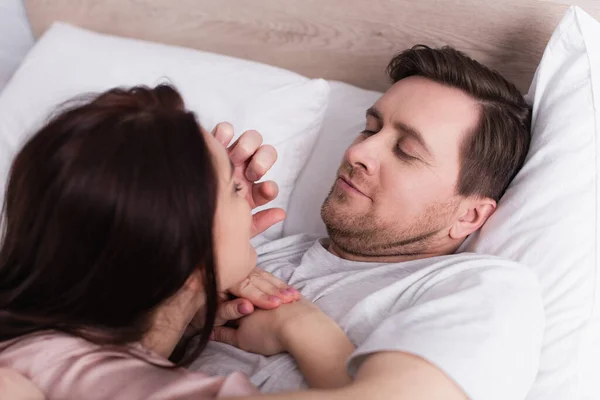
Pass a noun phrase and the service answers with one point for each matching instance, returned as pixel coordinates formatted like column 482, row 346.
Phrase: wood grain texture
column 591, row 6
column 347, row 40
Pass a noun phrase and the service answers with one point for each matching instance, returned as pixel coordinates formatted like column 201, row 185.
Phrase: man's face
column 396, row 187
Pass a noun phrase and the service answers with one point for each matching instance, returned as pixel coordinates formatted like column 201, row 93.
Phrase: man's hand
column 251, row 161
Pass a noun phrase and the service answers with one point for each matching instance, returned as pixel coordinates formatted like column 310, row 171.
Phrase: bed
column 348, row 43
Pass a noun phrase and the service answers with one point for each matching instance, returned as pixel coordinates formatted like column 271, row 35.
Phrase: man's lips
column 347, row 184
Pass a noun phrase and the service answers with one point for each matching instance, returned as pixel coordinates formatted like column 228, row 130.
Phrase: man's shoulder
column 469, row 274
column 477, row 264
column 494, row 278
column 477, row 318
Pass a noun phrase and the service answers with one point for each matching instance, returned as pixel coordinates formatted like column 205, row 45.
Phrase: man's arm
column 388, row 375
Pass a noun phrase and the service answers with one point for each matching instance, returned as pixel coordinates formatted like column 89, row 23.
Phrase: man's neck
column 386, row 258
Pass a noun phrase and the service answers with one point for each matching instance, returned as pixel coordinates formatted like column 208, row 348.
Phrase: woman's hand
column 15, row 386
column 320, row 347
column 269, row 332
column 260, row 289
column 251, row 161
column 264, row 290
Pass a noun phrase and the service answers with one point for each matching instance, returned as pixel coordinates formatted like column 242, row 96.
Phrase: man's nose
column 365, row 155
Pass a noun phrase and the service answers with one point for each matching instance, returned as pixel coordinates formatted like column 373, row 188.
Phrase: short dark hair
column 108, row 210
column 494, row 152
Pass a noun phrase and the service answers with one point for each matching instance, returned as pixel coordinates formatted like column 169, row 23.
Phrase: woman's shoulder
column 42, row 349
column 69, row 367
column 56, row 360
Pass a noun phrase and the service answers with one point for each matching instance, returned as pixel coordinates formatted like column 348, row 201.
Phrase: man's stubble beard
column 367, row 235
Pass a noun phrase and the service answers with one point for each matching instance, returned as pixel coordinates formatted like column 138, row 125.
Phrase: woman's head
column 110, row 210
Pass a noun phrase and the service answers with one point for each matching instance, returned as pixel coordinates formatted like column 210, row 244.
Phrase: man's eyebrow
column 373, row 112
column 401, row 126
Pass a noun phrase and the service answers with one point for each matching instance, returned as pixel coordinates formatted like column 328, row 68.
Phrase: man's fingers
column 264, row 192
column 232, row 310
column 263, row 220
column 261, row 162
column 225, row 335
column 243, row 148
column 223, row 132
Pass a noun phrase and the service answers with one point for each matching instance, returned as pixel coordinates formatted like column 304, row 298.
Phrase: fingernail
column 285, row 292
column 244, row 309
column 274, row 299
column 251, row 176
column 292, row 290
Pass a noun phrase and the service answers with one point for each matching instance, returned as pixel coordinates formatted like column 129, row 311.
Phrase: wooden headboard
column 347, row 40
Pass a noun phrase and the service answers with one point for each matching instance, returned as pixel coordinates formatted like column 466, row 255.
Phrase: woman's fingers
column 232, row 310
column 244, row 148
column 275, row 288
column 263, row 220
column 261, row 162
column 225, row 335
column 290, row 293
column 265, row 300
column 264, row 192
column 223, row 132
column 264, row 290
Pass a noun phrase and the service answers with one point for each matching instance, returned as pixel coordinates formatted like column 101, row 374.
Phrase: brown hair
column 494, row 152
column 108, row 210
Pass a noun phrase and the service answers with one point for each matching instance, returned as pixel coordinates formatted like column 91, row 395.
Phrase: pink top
column 68, row 367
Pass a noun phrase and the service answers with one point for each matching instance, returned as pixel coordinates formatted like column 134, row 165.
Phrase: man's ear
column 474, row 212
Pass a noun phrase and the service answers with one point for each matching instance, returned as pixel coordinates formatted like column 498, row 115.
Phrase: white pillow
column 285, row 107
column 548, row 217
column 343, row 121
column 16, row 38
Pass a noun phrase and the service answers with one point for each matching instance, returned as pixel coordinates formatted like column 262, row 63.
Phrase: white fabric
column 548, row 219
column 67, row 61
column 16, row 38
column 478, row 318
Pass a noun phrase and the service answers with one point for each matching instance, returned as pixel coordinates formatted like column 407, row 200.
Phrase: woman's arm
column 15, row 386
column 320, row 348
column 389, row 375
column 318, row 344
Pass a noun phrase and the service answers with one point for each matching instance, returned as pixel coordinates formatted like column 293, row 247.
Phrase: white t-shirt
column 477, row 318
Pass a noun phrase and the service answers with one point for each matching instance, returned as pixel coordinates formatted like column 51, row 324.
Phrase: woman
column 124, row 220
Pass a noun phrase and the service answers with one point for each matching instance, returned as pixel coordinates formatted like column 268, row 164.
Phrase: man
column 438, row 151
